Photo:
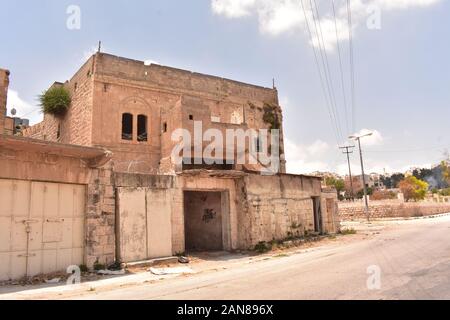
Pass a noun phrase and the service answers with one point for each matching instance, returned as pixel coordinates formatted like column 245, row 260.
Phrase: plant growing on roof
column 55, row 100
column 271, row 116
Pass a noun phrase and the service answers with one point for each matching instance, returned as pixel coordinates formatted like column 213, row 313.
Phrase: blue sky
column 402, row 69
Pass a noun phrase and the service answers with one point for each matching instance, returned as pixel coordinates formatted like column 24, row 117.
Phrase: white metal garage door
column 145, row 224
column 41, row 227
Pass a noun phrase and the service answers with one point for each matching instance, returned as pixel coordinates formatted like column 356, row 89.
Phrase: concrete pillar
column 4, row 83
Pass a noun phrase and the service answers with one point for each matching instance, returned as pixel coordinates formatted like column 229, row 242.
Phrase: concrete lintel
column 93, row 155
column 225, row 174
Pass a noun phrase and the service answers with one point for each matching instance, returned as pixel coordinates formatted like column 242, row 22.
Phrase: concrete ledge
column 152, row 262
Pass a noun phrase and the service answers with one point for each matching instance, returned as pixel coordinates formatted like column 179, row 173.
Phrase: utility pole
column 347, row 148
column 358, row 138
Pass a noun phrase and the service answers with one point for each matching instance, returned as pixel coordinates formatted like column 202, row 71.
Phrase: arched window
column 142, row 128
column 127, row 126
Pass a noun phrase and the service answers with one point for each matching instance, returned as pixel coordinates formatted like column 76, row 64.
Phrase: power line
column 328, row 104
column 341, row 69
column 352, row 64
column 326, row 65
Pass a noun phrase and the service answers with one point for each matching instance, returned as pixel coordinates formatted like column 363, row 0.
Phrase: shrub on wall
column 55, row 101
column 271, row 116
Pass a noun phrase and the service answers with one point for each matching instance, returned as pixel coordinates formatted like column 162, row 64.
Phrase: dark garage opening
column 203, row 221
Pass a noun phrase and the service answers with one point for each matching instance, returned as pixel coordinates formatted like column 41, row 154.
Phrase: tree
column 392, row 181
column 338, row 184
column 445, row 171
column 413, row 188
column 396, row 178
column 422, row 174
column 360, row 193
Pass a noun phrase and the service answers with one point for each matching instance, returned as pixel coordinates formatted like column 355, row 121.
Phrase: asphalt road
column 412, row 259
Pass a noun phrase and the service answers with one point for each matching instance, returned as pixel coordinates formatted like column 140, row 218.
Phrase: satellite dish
column 13, row 111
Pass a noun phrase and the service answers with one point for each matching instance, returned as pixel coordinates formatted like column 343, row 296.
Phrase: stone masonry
column 391, row 209
column 106, row 87
column 4, row 83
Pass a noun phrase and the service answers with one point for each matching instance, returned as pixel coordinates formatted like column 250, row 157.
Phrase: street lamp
column 358, row 138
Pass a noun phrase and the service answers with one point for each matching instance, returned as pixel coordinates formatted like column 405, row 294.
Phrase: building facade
column 137, row 202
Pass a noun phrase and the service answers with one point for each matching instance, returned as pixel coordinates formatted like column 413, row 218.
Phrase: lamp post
column 358, row 138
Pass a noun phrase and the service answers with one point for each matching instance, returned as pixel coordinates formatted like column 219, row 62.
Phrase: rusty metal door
column 41, row 227
column 144, row 220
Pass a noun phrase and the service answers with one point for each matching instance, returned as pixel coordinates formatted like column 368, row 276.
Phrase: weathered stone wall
column 281, row 206
column 108, row 86
column 330, row 211
column 100, row 218
column 46, row 130
column 254, row 207
column 75, row 127
column 391, row 209
column 201, row 181
column 41, row 162
column 180, row 81
column 4, row 83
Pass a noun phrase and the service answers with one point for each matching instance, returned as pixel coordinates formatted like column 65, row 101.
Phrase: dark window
column 165, row 127
column 58, row 133
column 191, row 117
column 189, row 164
column 142, row 128
column 127, row 126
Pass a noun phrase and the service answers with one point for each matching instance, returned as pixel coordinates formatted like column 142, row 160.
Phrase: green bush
column 348, row 231
column 270, row 116
column 55, row 101
column 99, row 266
column 83, row 268
column 263, row 247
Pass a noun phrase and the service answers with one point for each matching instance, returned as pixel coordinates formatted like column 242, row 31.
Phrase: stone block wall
column 75, row 127
column 107, row 86
column 281, row 206
column 100, row 218
column 391, row 209
column 4, row 84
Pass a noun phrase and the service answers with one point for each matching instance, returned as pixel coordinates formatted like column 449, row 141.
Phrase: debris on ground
column 168, row 271
column 116, row 266
column 112, row 272
column 54, row 280
column 183, row 260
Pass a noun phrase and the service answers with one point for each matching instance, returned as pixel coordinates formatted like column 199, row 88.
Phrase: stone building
column 4, row 83
column 114, row 146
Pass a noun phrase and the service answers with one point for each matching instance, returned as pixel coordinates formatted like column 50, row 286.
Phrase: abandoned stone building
column 99, row 184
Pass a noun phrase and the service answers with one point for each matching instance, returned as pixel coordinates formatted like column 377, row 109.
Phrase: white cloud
column 286, row 16
column 375, row 139
column 24, row 108
column 233, row 8
column 404, row 4
column 280, row 16
column 317, row 148
column 303, row 159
